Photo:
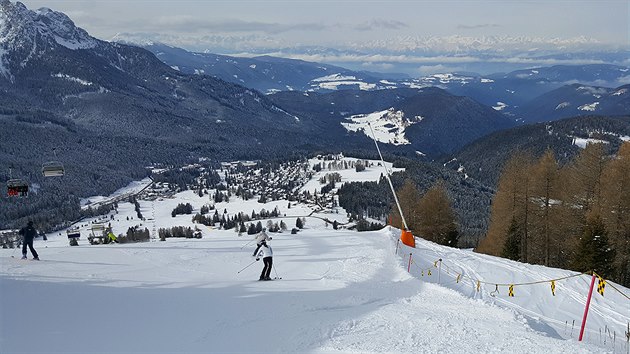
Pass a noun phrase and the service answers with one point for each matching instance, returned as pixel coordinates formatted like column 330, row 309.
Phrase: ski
column 276, row 278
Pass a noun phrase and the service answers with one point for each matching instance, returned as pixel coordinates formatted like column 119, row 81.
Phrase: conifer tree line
column 430, row 216
column 574, row 216
column 178, row 231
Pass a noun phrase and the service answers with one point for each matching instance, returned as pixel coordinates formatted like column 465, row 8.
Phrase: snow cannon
column 407, row 238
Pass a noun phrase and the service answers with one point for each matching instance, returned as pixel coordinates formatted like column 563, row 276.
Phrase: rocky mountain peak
column 26, row 35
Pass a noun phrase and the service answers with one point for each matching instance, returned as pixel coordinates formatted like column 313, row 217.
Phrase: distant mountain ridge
column 264, row 73
column 505, row 92
column 576, row 99
column 443, row 122
column 483, row 161
column 108, row 110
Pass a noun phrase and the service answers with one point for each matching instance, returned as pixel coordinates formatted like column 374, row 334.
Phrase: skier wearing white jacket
column 262, row 236
column 265, row 252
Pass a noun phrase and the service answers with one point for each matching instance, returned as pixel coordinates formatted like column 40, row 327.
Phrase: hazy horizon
column 415, row 37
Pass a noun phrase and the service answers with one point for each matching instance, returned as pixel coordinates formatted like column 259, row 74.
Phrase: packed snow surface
column 341, row 291
column 500, row 106
column 582, row 142
column 589, row 107
column 389, row 126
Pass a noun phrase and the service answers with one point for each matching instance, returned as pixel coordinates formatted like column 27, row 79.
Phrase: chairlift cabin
column 73, row 236
column 17, row 188
column 97, row 234
column 53, row 169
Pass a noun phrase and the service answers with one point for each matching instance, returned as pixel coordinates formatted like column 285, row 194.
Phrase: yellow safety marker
column 511, row 290
column 553, row 287
column 428, row 271
column 458, row 277
column 478, row 285
column 601, row 284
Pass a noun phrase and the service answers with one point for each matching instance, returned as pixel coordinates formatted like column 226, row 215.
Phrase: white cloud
column 377, row 24
column 624, row 80
column 377, row 66
column 478, row 26
column 439, row 68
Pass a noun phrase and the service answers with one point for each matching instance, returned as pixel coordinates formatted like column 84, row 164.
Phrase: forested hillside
column 484, row 158
column 469, row 199
column 575, row 215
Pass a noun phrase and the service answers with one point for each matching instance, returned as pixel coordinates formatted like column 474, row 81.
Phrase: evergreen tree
column 594, row 250
column 512, row 248
column 580, row 192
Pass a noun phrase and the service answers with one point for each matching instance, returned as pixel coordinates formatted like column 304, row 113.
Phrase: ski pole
column 275, row 271
column 250, row 241
column 247, row 266
column 17, row 245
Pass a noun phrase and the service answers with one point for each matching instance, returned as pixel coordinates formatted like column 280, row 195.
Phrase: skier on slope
column 264, row 250
column 112, row 237
column 260, row 237
column 28, row 234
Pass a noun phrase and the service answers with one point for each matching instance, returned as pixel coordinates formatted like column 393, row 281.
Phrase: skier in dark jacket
column 28, row 234
column 264, row 250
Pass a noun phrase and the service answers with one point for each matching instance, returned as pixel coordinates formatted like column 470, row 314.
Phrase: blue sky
column 388, row 29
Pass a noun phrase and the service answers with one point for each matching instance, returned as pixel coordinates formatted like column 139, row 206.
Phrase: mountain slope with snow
column 340, row 291
column 265, row 73
column 576, row 100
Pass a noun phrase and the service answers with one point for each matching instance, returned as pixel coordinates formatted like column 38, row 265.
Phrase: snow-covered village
column 314, row 177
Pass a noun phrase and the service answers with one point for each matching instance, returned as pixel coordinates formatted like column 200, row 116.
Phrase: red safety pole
column 409, row 266
column 588, row 303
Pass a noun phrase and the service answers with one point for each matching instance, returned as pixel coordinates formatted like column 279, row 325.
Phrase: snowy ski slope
column 341, row 292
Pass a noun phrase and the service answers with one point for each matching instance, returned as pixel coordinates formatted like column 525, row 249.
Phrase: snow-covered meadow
column 341, row 292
